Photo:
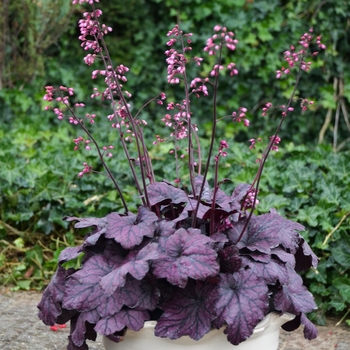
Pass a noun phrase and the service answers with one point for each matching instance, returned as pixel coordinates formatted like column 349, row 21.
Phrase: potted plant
column 192, row 258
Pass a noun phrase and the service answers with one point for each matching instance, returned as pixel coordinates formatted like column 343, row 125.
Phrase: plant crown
column 192, row 257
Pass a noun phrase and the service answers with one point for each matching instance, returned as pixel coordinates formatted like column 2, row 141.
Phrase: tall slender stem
column 211, row 147
column 265, row 156
column 81, row 124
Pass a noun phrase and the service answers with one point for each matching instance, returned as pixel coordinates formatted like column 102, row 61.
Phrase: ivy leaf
column 130, row 230
column 163, row 193
column 133, row 319
column 186, row 254
column 189, row 312
column 342, row 284
column 242, row 303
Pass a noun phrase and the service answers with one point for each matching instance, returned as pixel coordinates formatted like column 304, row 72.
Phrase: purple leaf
column 163, row 193
column 132, row 319
column 99, row 223
column 305, row 257
column 130, row 230
column 238, row 195
column 129, row 295
column 190, row 207
column 186, row 254
column 136, row 264
column 271, row 272
column 164, row 228
column 220, row 239
column 310, row 330
column 149, row 297
column 87, row 222
column 265, row 232
column 206, row 194
column 83, row 291
column 283, row 256
column 293, row 296
column 78, row 334
column 72, row 346
column 230, row 260
column 242, row 303
column 70, row 253
column 189, row 312
column 223, row 200
column 50, row 304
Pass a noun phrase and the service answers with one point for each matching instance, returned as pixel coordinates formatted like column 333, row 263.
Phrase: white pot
column 265, row 337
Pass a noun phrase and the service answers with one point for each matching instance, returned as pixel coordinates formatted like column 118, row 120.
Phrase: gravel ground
column 20, row 329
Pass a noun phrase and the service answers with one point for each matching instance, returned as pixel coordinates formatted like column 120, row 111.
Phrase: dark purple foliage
column 190, row 312
column 130, row 230
column 242, row 303
column 185, row 254
column 192, row 278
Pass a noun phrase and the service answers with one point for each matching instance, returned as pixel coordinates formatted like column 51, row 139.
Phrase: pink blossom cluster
column 240, row 115
column 202, row 88
column 109, row 153
column 162, row 97
column 178, row 122
column 80, row 140
column 249, row 200
column 91, row 117
column 177, row 61
column 305, row 103
column 215, row 42
column 296, row 58
column 232, row 69
column 216, row 69
column 82, row 1
column 253, row 142
column 266, row 108
column 275, row 141
column 90, row 27
column 51, row 92
column 176, row 65
column 286, row 110
column 113, row 80
column 87, row 169
column 223, row 145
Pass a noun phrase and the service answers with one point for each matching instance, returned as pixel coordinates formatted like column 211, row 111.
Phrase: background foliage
column 308, row 180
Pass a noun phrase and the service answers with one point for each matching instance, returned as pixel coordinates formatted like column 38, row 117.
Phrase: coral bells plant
column 192, row 257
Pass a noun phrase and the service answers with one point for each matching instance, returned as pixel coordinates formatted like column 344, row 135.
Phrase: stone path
column 20, row 329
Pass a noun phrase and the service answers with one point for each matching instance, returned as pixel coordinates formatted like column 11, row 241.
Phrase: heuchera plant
column 192, row 257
